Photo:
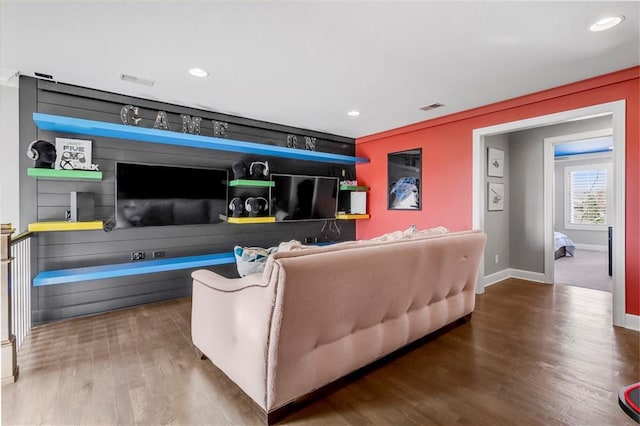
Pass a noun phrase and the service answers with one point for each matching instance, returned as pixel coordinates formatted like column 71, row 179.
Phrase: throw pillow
column 434, row 231
column 251, row 260
column 396, row 235
column 292, row 245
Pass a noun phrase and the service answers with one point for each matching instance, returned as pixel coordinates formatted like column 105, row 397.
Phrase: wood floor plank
column 532, row 354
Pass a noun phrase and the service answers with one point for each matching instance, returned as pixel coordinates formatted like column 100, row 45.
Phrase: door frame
column 549, row 182
column 617, row 110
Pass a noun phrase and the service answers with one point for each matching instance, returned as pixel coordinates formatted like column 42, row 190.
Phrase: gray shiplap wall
column 43, row 200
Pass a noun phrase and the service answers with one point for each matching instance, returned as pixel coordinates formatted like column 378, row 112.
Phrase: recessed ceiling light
column 353, row 113
column 606, row 23
column 198, row 72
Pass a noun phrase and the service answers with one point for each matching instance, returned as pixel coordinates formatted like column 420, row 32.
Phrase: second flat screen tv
column 297, row 197
column 159, row 195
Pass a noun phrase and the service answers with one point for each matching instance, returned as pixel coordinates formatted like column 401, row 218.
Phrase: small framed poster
column 495, row 162
column 495, row 196
column 404, row 174
column 73, row 154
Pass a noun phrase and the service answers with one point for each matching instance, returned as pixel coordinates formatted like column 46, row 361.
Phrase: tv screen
column 296, row 197
column 157, row 195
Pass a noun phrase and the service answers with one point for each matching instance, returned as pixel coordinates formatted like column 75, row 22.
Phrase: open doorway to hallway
column 530, row 218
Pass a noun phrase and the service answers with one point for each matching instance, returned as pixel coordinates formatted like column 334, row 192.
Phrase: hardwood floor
column 532, row 355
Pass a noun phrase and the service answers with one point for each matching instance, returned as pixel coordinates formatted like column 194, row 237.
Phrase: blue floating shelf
column 64, row 276
column 56, row 123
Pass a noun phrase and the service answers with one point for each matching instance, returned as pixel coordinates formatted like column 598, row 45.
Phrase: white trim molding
column 496, row 277
column 632, row 322
column 513, row 273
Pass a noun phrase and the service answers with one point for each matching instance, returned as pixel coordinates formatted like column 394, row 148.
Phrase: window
column 587, row 190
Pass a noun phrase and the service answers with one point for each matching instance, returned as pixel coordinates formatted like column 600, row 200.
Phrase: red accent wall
column 447, row 152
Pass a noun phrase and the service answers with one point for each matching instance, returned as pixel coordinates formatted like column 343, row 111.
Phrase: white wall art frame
column 495, row 162
column 495, row 196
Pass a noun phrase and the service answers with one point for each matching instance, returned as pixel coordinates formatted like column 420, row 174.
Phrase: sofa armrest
column 227, row 285
column 230, row 320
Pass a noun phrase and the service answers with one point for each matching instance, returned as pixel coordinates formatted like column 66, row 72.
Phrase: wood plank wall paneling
column 48, row 199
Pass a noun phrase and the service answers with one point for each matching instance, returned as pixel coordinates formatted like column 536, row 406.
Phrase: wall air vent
column 137, row 80
column 432, row 106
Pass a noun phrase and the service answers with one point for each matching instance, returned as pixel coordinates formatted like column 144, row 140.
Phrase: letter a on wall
column 161, row 121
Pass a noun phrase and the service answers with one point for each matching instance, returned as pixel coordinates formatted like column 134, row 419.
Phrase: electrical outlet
column 497, row 258
column 137, row 255
column 157, row 254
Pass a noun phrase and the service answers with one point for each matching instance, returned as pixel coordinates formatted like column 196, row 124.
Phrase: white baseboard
column 513, row 273
column 592, row 247
column 528, row 275
column 632, row 322
column 497, row 277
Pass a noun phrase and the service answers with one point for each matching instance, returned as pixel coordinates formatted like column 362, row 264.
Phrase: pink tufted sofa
column 316, row 315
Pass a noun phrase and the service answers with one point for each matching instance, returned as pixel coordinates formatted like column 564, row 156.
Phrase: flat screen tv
column 297, row 197
column 158, row 195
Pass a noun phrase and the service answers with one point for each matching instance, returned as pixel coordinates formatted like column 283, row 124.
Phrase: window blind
column 588, row 196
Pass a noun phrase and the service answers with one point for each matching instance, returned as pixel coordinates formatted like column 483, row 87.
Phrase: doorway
column 617, row 111
column 582, row 202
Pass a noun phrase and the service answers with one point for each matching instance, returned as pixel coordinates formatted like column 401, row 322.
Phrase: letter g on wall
column 129, row 115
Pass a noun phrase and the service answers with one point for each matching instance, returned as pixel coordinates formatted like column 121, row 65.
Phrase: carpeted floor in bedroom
column 588, row 269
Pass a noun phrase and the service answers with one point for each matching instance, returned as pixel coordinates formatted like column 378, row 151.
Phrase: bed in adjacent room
column 563, row 245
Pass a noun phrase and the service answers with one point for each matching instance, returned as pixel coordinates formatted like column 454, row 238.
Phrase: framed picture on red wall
column 404, row 174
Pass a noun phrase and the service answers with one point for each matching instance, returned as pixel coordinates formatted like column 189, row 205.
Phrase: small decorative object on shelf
column 255, row 206
column 259, row 170
column 239, row 170
column 43, row 153
column 358, row 203
column 74, row 154
column 236, row 207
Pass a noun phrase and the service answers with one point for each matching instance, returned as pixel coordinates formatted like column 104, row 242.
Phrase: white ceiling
column 306, row 64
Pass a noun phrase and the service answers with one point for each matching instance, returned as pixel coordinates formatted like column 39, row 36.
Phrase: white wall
column 9, row 172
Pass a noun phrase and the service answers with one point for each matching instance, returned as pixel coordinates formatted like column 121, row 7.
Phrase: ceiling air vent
column 43, row 75
column 137, row 80
column 432, row 106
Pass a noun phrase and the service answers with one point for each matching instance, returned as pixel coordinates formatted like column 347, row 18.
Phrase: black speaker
column 82, row 207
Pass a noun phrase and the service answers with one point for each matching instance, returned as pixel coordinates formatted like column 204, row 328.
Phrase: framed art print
column 404, row 173
column 495, row 196
column 495, row 162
